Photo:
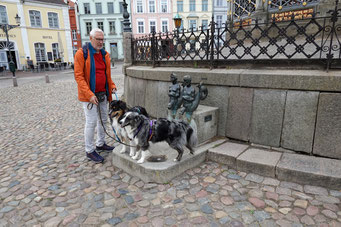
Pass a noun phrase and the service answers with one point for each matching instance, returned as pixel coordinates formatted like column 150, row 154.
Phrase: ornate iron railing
column 316, row 39
column 275, row 5
column 242, row 8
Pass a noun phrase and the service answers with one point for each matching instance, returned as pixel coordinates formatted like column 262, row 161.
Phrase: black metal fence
column 313, row 40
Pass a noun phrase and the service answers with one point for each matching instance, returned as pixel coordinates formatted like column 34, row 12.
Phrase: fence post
column 212, row 42
column 334, row 19
column 153, row 48
column 127, row 39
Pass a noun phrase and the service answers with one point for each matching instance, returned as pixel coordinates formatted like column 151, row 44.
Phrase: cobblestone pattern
column 45, row 179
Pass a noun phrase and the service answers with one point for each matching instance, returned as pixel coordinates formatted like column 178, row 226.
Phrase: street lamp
column 177, row 21
column 6, row 28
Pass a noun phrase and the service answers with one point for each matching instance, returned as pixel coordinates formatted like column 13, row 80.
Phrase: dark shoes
column 104, row 147
column 94, row 156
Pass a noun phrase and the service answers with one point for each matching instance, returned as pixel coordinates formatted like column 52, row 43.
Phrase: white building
column 106, row 15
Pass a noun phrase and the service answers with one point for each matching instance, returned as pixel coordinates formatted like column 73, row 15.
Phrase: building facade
column 194, row 13
column 151, row 16
column 44, row 32
column 74, row 26
column 106, row 15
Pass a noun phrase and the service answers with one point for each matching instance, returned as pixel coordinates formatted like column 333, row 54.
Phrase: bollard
column 15, row 83
column 47, row 79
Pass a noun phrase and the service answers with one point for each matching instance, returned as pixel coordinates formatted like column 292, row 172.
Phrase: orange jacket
column 83, row 78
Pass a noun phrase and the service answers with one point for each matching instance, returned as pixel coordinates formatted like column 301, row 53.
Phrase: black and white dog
column 141, row 130
column 117, row 109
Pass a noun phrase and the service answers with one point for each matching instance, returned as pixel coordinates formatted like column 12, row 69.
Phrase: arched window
column 3, row 15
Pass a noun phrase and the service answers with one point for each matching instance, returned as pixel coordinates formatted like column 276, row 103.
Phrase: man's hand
column 94, row 100
column 114, row 90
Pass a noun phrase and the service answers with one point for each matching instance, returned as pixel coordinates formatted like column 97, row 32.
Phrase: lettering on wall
column 10, row 36
column 47, row 37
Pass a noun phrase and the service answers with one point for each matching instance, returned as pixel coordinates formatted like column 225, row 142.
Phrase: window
column 35, row 18
column 152, row 26
column 55, row 51
column 3, row 15
column 74, row 34
column 98, row 8
column 139, row 6
column 180, row 6
column 40, row 51
column 219, row 21
column 100, row 25
column 88, row 27
column 53, row 20
column 219, row 2
column 86, row 8
column 121, row 7
column 112, row 27
column 205, row 5
column 164, row 26
column 140, row 27
column 164, row 6
column 192, row 5
column 110, row 7
column 122, row 27
column 152, row 6
column 204, row 24
column 193, row 24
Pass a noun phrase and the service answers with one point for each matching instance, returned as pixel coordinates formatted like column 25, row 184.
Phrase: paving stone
column 327, row 199
column 307, row 220
column 329, row 214
column 254, row 178
column 271, row 181
column 257, row 202
column 226, row 153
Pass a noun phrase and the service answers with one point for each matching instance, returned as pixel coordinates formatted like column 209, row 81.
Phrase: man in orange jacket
column 95, row 87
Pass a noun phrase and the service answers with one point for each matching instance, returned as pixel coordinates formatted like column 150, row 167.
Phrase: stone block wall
column 296, row 110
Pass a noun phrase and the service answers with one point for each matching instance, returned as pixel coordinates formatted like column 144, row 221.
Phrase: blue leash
column 113, row 127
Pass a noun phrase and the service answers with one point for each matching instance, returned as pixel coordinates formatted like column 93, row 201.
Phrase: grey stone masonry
column 299, row 121
column 258, row 161
column 268, row 107
column 218, row 96
column 206, row 118
column 226, row 153
column 328, row 126
column 267, row 117
column 310, row 170
column 239, row 113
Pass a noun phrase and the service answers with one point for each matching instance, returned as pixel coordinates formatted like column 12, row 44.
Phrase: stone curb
column 298, row 168
column 162, row 172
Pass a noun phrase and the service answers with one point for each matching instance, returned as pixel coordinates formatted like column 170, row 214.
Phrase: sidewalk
column 46, row 180
column 22, row 74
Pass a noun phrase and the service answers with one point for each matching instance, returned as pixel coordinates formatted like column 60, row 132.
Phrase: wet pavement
column 46, row 180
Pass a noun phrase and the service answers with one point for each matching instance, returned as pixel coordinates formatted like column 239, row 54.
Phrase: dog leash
column 111, row 123
column 100, row 117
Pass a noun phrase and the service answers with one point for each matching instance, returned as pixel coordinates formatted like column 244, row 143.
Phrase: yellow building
column 44, row 33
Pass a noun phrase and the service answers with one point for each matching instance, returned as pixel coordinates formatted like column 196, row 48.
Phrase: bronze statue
column 190, row 98
column 175, row 96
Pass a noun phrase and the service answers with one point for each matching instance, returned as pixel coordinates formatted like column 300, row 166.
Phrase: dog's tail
column 192, row 139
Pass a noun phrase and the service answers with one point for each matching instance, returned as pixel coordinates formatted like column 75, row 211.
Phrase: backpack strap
column 85, row 51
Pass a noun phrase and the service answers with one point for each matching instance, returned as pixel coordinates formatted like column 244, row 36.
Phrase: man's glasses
column 100, row 40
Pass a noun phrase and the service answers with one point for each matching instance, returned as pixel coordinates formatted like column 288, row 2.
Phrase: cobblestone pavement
column 45, row 179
